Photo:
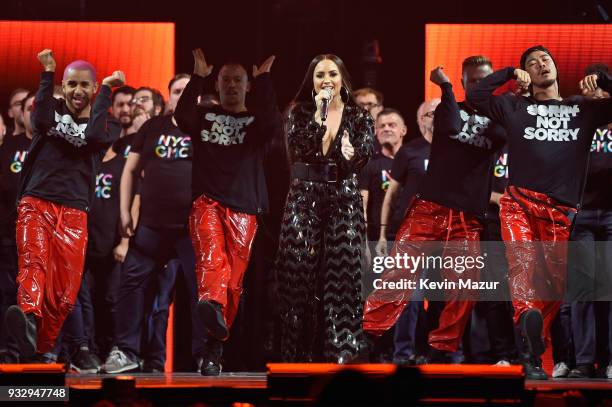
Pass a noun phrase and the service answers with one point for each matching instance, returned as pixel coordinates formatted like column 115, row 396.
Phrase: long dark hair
column 304, row 94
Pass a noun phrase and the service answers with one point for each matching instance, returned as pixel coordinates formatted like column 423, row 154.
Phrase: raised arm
column 264, row 103
column 44, row 102
column 447, row 119
column 481, row 96
column 186, row 112
column 100, row 131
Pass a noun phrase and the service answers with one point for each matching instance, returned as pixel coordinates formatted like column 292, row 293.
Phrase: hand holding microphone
column 323, row 99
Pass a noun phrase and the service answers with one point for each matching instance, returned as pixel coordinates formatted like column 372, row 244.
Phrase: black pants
column 8, row 290
column 494, row 315
column 150, row 250
column 590, row 272
column 104, row 278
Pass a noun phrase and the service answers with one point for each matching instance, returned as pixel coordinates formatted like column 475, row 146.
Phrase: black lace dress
column 319, row 261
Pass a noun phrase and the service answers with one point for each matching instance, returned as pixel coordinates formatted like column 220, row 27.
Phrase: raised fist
column 46, row 59
column 438, row 76
column 116, row 79
column 588, row 83
column 523, row 80
column 264, row 67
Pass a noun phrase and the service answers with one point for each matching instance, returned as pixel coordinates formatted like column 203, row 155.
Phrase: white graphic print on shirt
column 552, row 123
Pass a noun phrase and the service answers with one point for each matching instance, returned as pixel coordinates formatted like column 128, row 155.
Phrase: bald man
column 58, row 179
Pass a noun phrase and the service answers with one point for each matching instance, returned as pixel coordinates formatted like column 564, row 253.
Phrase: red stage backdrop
column 144, row 51
column 573, row 46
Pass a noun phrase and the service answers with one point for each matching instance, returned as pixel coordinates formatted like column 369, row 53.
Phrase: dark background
column 297, row 30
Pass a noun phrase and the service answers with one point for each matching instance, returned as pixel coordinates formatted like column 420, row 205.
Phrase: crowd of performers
column 108, row 204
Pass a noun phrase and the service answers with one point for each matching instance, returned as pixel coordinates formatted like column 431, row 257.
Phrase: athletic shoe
column 118, row 362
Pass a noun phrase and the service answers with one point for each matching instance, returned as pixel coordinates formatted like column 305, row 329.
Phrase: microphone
column 325, row 104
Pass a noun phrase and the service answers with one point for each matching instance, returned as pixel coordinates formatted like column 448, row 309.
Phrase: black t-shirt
column 598, row 189
column 549, row 141
column 66, row 150
column 409, row 167
column 123, row 145
column 463, row 150
column 166, row 158
column 103, row 219
column 229, row 147
column 375, row 178
column 13, row 152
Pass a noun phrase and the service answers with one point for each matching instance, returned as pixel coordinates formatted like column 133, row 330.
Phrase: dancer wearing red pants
column 58, row 179
column 549, row 139
column 228, row 186
column 451, row 203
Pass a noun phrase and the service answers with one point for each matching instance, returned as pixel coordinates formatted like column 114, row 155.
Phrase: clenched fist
column 46, row 59
column 116, row 79
column 523, row 80
column 438, row 76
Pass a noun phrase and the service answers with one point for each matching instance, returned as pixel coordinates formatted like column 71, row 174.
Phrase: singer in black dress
column 319, row 262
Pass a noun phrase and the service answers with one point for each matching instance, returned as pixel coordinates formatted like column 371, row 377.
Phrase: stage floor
column 258, row 380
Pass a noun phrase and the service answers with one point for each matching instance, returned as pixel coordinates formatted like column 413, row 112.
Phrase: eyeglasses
column 369, row 106
column 140, row 100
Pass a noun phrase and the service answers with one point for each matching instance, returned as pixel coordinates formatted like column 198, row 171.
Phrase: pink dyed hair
column 80, row 65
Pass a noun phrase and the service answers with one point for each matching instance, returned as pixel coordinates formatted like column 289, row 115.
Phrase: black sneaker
column 531, row 330
column 211, row 363
column 211, row 316
column 84, row 361
column 437, row 356
column 585, row 371
column 22, row 327
column 533, row 369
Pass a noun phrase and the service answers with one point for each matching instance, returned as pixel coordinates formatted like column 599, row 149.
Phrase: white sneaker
column 502, row 362
column 609, row 371
column 560, row 370
column 118, row 362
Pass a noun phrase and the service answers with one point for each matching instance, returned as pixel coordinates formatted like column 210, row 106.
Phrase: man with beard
column 163, row 153
column 122, row 107
column 57, row 187
column 549, row 138
column 12, row 155
column 450, row 207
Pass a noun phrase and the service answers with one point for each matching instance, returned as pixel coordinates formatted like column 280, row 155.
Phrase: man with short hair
column 57, row 186
column 121, row 107
column 15, row 112
column 549, row 138
column 370, row 99
column 450, row 206
column 164, row 153
column 12, row 156
column 229, row 186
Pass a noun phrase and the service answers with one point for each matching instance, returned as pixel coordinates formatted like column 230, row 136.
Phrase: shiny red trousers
column 222, row 240
column 536, row 271
column 428, row 221
column 51, row 244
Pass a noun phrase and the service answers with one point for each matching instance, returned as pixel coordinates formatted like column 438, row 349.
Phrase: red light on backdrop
column 574, row 47
column 144, row 51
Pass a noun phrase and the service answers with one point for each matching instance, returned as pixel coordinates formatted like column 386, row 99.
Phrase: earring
column 344, row 94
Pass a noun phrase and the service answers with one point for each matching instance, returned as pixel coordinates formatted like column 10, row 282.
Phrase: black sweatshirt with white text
column 464, row 148
column 549, row 140
column 66, row 151
column 228, row 148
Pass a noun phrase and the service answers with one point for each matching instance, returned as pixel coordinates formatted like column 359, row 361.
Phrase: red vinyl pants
column 51, row 244
column 222, row 240
column 428, row 221
column 537, row 272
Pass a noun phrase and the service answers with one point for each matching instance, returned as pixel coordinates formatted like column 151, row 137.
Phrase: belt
column 315, row 172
